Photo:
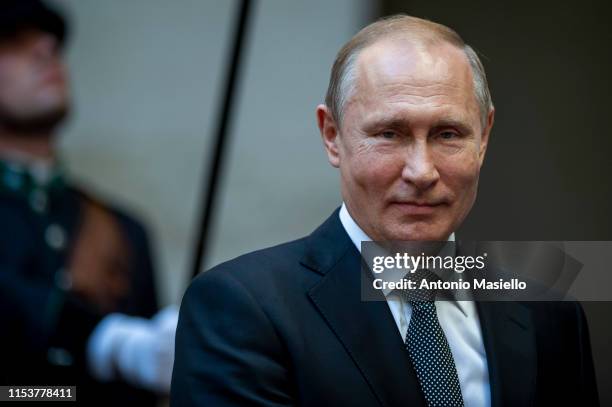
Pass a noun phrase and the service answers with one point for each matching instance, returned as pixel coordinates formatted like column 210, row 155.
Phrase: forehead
column 407, row 74
column 23, row 38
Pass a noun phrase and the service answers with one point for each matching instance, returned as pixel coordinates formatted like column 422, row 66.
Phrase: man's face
column 33, row 84
column 411, row 143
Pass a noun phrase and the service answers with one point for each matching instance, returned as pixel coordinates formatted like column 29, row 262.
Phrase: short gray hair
column 343, row 74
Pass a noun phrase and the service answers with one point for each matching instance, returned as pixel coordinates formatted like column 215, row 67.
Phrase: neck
column 38, row 147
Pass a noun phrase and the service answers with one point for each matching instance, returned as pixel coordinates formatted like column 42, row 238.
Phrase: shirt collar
column 352, row 228
column 41, row 171
column 357, row 235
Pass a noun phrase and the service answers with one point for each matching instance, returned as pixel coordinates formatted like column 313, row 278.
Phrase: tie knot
column 422, row 292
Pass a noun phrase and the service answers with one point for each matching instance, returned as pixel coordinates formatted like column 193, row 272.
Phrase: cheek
column 5, row 85
column 373, row 170
column 12, row 86
column 461, row 175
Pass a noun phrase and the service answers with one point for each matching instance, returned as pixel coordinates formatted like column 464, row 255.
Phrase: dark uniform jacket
column 44, row 325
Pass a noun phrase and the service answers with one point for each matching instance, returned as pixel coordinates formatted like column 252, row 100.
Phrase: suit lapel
column 366, row 329
column 508, row 334
column 509, row 340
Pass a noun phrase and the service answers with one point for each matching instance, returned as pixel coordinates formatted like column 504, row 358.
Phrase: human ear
column 486, row 132
column 329, row 134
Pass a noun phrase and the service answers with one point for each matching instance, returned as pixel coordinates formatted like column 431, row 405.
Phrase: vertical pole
column 209, row 193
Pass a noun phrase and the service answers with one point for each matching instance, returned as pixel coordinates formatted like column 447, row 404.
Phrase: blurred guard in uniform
column 77, row 298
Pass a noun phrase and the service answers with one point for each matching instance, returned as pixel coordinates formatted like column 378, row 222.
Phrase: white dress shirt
column 459, row 321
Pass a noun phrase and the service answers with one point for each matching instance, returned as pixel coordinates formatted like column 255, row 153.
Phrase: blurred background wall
column 147, row 77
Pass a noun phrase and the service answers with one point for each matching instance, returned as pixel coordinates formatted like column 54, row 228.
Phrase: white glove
column 141, row 351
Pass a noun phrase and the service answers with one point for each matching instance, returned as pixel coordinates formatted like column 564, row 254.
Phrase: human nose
column 420, row 168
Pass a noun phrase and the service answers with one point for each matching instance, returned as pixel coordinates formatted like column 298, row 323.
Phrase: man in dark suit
column 407, row 121
column 76, row 277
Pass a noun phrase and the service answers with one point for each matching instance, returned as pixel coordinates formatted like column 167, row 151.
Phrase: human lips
column 417, row 207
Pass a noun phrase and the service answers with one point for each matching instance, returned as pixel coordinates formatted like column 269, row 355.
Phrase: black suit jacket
column 286, row 326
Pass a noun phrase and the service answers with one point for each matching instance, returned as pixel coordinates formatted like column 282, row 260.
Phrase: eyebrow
column 385, row 123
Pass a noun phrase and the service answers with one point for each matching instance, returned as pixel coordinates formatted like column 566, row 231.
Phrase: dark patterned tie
column 428, row 349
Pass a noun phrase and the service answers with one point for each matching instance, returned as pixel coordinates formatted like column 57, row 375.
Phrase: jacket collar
column 366, row 329
column 326, row 245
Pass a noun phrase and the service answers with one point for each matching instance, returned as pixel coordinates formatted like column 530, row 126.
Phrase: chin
column 37, row 122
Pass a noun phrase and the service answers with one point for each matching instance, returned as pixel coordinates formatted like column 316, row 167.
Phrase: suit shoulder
column 260, row 270
column 255, row 264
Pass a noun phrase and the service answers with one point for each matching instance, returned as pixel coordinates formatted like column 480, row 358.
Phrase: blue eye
column 448, row 135
column 388, row 135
